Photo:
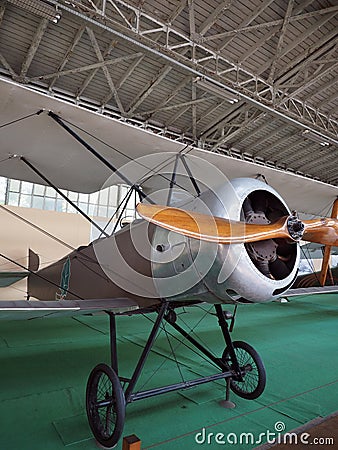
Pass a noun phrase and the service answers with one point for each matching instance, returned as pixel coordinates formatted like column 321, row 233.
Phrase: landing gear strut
column 106, row 400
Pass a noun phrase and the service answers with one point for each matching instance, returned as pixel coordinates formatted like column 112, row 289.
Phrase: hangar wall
column 17, row 237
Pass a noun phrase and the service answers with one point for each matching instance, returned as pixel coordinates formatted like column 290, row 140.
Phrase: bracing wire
column 172, row 350
column 36, row 227
column 150, row 170
column 20, row 119
column 181, row 342
column 79, row 254
column 37, row 274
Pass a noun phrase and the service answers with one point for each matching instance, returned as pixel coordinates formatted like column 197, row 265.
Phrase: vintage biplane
column 198, row 238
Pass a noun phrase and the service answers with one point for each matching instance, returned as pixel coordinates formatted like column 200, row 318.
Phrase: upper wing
column 67, row 163
column 53, row 151
column 34, row 309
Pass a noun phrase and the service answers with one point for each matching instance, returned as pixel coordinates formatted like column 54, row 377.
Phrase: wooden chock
column 131, row 442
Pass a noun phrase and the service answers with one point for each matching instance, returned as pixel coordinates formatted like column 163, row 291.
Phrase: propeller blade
column 322, row 231
column 210, row 228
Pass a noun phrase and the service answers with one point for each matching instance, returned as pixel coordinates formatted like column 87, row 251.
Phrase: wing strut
column 97, row 154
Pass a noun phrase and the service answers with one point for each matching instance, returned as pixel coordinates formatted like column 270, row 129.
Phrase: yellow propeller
column 223, row 231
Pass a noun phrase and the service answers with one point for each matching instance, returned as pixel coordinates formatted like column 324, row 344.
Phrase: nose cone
column 295, row 228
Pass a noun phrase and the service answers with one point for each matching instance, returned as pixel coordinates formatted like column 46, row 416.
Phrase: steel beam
column 149, row 88
column 259, row 43
column 231, row 135
column 251, row 133
column 193, row 110
column 91, row 75
column 69, row 52
column 2, row 11
column 278, row 50
column 328, row 100
column 85, row 68
column 247, row 29
column 300, row 39
column 214, row 16
column 282, row 141
column 7, row 66
column 176, row 116
column 273, row 31
column 105, row 69
column 211, row 110
column 255, row 13
column 33, row 47
column 302, row 61
column 179, row 105
column 180, row 7
column 231, row 112
column 293, row 115
column 263, row 139
column 313, row 79
column 170, row 97
column 123, row 79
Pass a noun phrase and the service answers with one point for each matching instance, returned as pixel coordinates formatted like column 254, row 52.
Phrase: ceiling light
column 220, row 92
column 40, row 8
column 315, row 138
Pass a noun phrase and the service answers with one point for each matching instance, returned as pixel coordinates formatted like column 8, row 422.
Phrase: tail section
column 11, row 277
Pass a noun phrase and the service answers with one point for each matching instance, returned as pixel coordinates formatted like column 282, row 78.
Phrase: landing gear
column 252, row 383
column 240, row 365
column 105, row 405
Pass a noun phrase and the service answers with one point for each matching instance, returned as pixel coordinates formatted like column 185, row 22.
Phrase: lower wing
column 34, row 309
column 311, row 291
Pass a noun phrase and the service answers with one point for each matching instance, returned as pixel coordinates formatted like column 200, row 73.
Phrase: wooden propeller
column 223, row 231
column 327, row 252
column 322, row 231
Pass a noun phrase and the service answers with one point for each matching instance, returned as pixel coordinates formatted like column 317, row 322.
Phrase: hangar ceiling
column 255, row 80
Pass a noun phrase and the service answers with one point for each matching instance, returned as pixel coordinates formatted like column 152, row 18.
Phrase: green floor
column 45, row 365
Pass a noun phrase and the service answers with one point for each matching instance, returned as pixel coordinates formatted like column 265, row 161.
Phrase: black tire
column 254, row 380
column 106, row 421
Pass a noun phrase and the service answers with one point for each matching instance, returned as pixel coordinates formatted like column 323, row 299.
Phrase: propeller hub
column 295, row 227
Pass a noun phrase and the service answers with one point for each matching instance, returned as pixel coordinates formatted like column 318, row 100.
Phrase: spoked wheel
column 250, row 363
column 105, row 404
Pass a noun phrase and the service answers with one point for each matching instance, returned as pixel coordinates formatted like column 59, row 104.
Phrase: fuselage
column 146, row 262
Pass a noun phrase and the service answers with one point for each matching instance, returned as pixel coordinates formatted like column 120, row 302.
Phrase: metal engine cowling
column 189, row 269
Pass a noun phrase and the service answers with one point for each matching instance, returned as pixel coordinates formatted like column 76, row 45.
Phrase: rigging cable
column 38, row 275
column 150, row 170
column 181, row 342
column 79, row 254
column 21, row 118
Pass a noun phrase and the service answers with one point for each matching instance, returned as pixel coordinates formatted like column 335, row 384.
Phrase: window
column 13, row 199
column 39, row 189
column 14, row 186
column 37, row 202
column 49, row 204
column 25, row 200
column 3, row 189
column 104, row 197
column 98, row 204
column 26, row 188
